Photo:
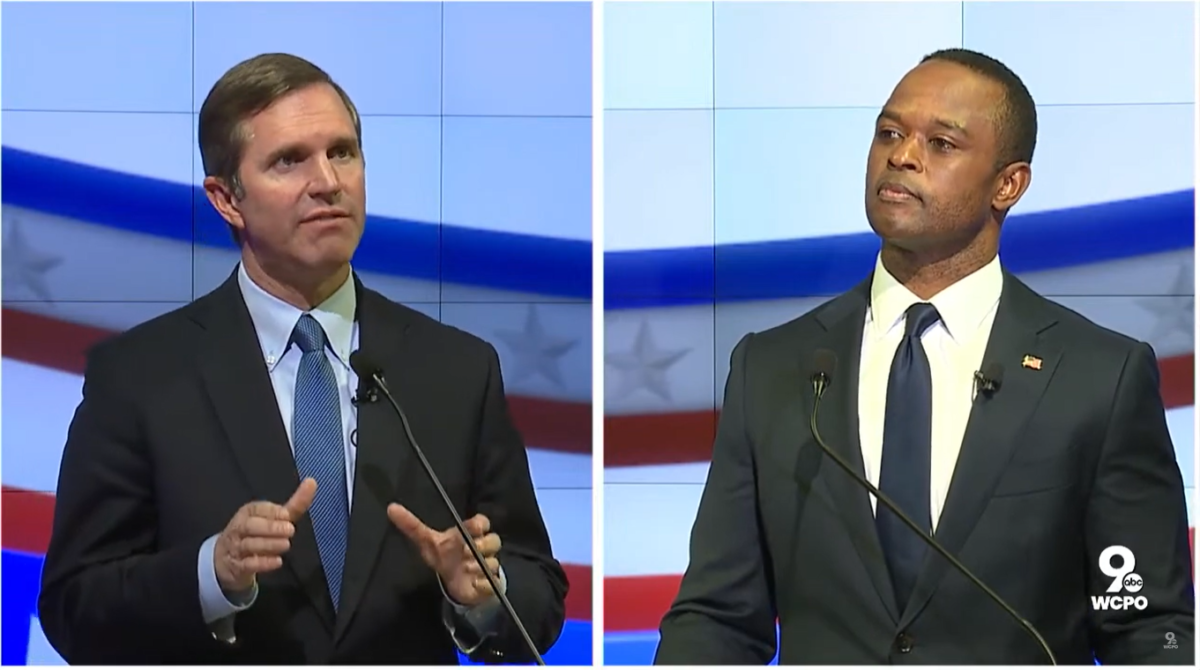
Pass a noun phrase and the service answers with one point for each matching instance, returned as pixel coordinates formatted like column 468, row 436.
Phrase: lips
column 896, row 192
column 326, row 214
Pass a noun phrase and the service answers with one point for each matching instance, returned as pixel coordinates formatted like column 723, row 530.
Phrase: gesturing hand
column 257, row 536
column 449, row 556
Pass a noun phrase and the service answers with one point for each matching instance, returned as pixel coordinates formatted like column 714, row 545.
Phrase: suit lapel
column 239, row 387
column 383, row 452
column 838, row 422
column 994, row 427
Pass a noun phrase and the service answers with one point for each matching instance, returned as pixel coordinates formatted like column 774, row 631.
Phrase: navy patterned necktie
column 320, row 452
column 904, row 470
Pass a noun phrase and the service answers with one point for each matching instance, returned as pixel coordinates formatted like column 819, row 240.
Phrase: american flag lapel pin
column 1031, row 362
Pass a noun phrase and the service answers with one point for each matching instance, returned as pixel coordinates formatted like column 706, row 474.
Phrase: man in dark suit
column 1027, row 482
column 224, row 498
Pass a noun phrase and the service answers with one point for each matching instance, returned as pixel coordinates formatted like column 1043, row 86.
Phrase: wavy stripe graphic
column 32, row 338
column 401, row 247
column 827, row 266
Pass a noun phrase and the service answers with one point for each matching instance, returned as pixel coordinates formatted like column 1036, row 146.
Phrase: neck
column 303, row 293
column 927, row 272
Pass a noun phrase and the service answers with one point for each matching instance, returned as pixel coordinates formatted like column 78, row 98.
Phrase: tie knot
column 308, row 334
column 918, row 319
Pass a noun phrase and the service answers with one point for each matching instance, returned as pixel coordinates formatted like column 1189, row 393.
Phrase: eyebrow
column 344, row 142
column 948, row 124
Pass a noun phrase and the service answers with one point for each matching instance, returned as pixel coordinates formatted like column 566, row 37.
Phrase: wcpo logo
column 1124, row 579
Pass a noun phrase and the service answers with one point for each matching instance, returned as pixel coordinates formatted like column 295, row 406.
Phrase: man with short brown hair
column 223, row 498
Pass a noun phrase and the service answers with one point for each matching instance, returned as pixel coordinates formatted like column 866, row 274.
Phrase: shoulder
column 1078, row 332
column 789, row 339
column 433, row 338
column 152, row 346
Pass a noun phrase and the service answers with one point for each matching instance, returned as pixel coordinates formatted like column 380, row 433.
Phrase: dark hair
column 1017, row 118
column 245, row 90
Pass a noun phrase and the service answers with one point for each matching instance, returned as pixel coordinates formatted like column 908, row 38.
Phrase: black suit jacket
column 1058, row 464
column 179, row 427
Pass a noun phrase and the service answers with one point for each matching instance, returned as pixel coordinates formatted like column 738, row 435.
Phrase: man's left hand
column 449, row 556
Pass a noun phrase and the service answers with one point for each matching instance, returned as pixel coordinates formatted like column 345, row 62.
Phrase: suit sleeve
column 535, row 582
column 724, row 613
column 1137, row 501
column 107, row 592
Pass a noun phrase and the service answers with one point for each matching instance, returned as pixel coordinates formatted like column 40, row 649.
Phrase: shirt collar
column 962, row 305
column 274, row 320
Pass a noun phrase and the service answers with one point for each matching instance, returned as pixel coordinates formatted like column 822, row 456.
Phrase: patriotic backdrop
column 736, row 137
column 477, row 131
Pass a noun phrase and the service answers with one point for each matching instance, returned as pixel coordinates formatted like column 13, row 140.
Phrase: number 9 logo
column 1119, row 573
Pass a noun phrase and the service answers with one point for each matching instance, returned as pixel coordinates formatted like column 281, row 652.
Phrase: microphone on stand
column 373, row 374
column 824, row 362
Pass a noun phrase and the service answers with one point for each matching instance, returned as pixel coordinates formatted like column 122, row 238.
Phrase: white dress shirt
column 274, row 320
column 955, row 348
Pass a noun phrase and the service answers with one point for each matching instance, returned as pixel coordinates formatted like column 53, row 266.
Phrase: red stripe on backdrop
column 638, row 603
column 26, row 518
column 687, row 437
column 556, row 426
column 62, row 345
column 579, row 593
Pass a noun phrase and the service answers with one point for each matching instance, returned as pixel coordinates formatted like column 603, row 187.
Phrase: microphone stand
column 820, row 384
column 377, row 377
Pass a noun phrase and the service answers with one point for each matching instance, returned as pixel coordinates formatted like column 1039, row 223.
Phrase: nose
column 325, row 181
column 906, row 155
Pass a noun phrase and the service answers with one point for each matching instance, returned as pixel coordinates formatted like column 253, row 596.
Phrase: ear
column 223, row 200
column 1011, row 184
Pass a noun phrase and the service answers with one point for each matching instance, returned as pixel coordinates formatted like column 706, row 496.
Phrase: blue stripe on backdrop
column 765, row 270
column 22, row 577
column 833, row 264
column 637, row 648
column 574, row 646
column 498, row 260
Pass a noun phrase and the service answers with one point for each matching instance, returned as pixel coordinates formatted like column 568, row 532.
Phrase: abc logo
column 1132, row 582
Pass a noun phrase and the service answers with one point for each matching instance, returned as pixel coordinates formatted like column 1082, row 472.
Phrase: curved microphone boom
column 823, row 364
column 367, row 370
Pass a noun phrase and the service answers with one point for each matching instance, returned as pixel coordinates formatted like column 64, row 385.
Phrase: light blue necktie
column 320, row 453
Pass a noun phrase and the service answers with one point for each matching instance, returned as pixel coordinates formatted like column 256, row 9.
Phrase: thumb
column 408, row 523
column 302, row 499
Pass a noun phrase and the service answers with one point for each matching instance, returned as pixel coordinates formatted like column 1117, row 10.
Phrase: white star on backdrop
column 25, row 266
column 536, row 351
column 1175, row 313
column 645, row 366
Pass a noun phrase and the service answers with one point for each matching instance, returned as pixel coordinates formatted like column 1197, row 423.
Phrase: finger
column 264, row 546
column 493, row 566
column 260, row 564
column 302, row 499
column 410, row 525
column 264, row 509
column 483, row 587
column 488, row 545
column 257, row 526
column 478, row 525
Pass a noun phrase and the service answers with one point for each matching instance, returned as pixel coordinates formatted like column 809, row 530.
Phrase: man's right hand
column 257, row 537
